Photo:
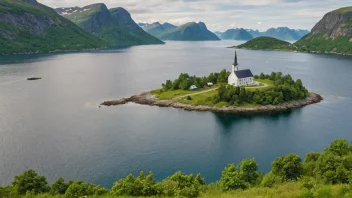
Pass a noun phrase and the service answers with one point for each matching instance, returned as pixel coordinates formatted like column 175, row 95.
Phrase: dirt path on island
column 209, row 90
column 264, row 86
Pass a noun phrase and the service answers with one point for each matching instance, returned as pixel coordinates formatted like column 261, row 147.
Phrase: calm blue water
column 55, row 126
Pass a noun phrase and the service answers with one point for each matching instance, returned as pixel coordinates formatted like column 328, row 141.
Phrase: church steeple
column 235, row 63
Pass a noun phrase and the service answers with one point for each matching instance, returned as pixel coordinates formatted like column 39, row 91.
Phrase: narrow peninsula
column 238, row 91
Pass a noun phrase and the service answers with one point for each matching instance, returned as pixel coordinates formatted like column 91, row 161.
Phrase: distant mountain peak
column 156, row 23
column 236, row 34
column 191, row 31
column 100, row 5
column 166, row 23
column 121, row 12
column 202, row 25
column 168, row 26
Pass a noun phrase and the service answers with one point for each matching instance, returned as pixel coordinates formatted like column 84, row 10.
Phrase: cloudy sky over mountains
column 222, row 14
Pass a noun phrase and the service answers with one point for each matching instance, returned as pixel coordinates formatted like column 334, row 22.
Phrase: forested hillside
column 29, row 27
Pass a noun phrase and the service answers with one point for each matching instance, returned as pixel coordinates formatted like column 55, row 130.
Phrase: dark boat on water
column 34, row 78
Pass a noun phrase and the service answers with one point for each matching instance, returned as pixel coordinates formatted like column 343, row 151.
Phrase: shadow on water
column 227, row 120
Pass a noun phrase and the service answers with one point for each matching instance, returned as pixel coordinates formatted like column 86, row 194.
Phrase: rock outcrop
column 149, row 99
column 36, row 24
column 335, row 24
column 332, row 34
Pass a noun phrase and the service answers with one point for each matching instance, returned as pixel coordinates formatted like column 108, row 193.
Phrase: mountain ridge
column 114, row 25
column 190, row 31
column 282, row 33
column 27, row 26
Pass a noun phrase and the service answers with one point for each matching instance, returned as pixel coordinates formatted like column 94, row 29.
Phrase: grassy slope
column 267, row 43
column 287, row 190
column 321, row 44
column 64, row 36
column 344, row 10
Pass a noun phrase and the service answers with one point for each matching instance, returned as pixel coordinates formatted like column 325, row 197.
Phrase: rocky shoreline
column 149, row 99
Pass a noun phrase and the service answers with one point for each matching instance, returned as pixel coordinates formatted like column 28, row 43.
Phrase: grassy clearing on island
column 179, row 93
column 204, row 96
column 200, row 99
column 169, row 95
column 266, row 81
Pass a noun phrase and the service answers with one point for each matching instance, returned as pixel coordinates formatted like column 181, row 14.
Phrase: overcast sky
column 220, row 15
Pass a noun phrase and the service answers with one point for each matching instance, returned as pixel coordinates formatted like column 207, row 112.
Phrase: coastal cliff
column 332, row 34
column 149, row 99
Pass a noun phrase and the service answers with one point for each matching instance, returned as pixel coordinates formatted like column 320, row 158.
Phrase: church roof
column 246, row 73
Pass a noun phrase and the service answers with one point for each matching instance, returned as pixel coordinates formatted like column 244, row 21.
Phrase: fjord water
column 56, row 127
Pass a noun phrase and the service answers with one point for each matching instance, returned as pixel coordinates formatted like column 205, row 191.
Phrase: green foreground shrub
column 325, row 174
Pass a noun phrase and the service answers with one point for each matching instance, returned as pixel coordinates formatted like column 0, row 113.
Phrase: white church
column 240, row 77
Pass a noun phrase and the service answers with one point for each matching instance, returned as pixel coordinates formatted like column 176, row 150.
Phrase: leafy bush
column 80, row 189
column 30, row 181
column 270, row 179
column 59, row 187
column 245, row 176
column 289, row 177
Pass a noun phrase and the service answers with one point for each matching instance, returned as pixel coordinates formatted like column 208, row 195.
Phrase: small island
column 266, row 43
column 238, row 91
